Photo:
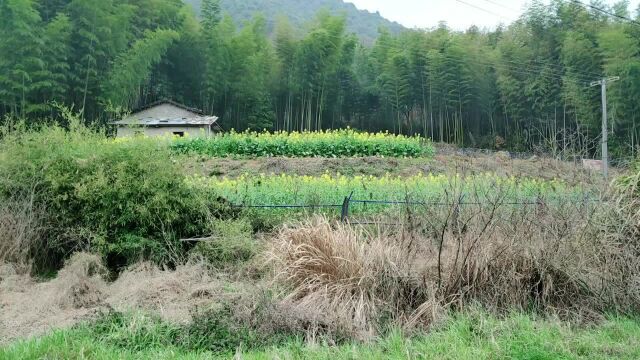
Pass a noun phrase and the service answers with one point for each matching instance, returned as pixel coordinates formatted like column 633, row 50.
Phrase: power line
column 483, row 9
column 502, row 5
column 520, row 68
column 554, row 71
column 606, row 12
column 528, row 68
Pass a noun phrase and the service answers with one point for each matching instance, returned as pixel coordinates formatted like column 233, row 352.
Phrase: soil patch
column 30, row 308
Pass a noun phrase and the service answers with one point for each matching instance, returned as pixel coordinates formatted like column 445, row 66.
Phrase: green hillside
column 361, row 22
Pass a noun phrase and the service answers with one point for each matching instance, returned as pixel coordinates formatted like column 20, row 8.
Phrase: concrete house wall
column 193, row 131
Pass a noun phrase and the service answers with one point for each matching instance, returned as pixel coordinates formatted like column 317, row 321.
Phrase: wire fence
column 348, row 202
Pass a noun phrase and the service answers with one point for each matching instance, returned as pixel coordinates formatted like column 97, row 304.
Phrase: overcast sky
column 427, row 13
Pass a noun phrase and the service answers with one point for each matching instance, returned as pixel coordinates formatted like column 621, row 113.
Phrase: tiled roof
column 196, row 121
column 167, row 101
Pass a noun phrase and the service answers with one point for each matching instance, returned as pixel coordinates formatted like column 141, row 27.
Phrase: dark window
column 178, row 133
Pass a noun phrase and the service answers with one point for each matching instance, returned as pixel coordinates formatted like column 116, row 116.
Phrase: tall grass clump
column 337, row 143
column 21, row 232
column 551, row 259
column 621, row 227
column 125, row 199
column 349, row 276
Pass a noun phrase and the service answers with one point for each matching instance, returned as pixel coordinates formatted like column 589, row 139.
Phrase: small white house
column 167, row 117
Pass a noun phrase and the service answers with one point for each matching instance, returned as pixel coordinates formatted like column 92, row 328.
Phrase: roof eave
column 171, row 102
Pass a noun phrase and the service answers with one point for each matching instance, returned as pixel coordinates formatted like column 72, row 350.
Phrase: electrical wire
column 606, row 12
column 502, row 5
column 574, row 1
column 520, row 70
column 524, row 68
column 556, row 69
column 484, row 10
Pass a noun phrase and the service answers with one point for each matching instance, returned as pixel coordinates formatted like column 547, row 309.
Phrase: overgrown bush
column 338, row 143
column 231, row 242
column 125, row 199
column 21, row 232
column 620, row 225
column 549, row 258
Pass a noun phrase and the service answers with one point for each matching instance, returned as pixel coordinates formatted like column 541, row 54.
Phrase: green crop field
column 338, row 143
column 329, row 189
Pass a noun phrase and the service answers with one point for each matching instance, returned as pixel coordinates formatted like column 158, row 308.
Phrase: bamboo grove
column 523, row 87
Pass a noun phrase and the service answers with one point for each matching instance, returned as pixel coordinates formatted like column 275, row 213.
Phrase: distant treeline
column 522, row 87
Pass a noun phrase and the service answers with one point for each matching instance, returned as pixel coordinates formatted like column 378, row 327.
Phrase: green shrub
column 231, row 242
column 134, row 331
column 338, row 143
column 126, row 199
column 216, row 329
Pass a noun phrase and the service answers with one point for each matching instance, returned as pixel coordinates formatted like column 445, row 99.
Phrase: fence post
column 345, row 208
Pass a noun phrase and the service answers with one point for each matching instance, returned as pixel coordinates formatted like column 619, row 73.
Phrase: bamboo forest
column 522, row 87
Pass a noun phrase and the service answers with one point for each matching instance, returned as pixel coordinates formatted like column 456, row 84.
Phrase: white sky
column 459, row 16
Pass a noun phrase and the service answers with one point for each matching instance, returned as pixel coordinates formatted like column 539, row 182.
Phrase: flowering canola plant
column 332, row 189
column 331, row 143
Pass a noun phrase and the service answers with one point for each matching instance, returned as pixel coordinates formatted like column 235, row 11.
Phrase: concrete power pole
column 605, row 129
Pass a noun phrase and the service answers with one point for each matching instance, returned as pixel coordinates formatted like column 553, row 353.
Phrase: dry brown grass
column 21, row 233
column 620, row 226
column 30, row 307
column 171, row 294
column 80, row 292
column 548, row 258
column 334, row 271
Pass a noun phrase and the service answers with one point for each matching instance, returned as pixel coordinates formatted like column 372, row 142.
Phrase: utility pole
column 605, row 129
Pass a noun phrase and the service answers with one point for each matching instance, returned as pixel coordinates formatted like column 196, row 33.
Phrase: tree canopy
column 521, row 87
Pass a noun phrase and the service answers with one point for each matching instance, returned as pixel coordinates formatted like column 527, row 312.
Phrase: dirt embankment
column 79, row 292
column 443, row 163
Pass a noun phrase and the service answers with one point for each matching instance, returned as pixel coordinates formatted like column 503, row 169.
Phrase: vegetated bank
column 464, row 337
column 314, row 279
column 442, row 163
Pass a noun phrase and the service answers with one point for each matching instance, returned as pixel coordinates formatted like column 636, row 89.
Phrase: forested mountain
column 361, row 22
column 522, row 87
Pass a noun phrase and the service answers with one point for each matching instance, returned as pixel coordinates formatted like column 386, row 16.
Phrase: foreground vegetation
column 124, row 199
column 462, row 337
column 315, row 279
column 338, row 143
column 129, row 199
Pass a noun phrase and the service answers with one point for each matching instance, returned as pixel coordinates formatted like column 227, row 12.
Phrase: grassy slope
column 475, row 337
